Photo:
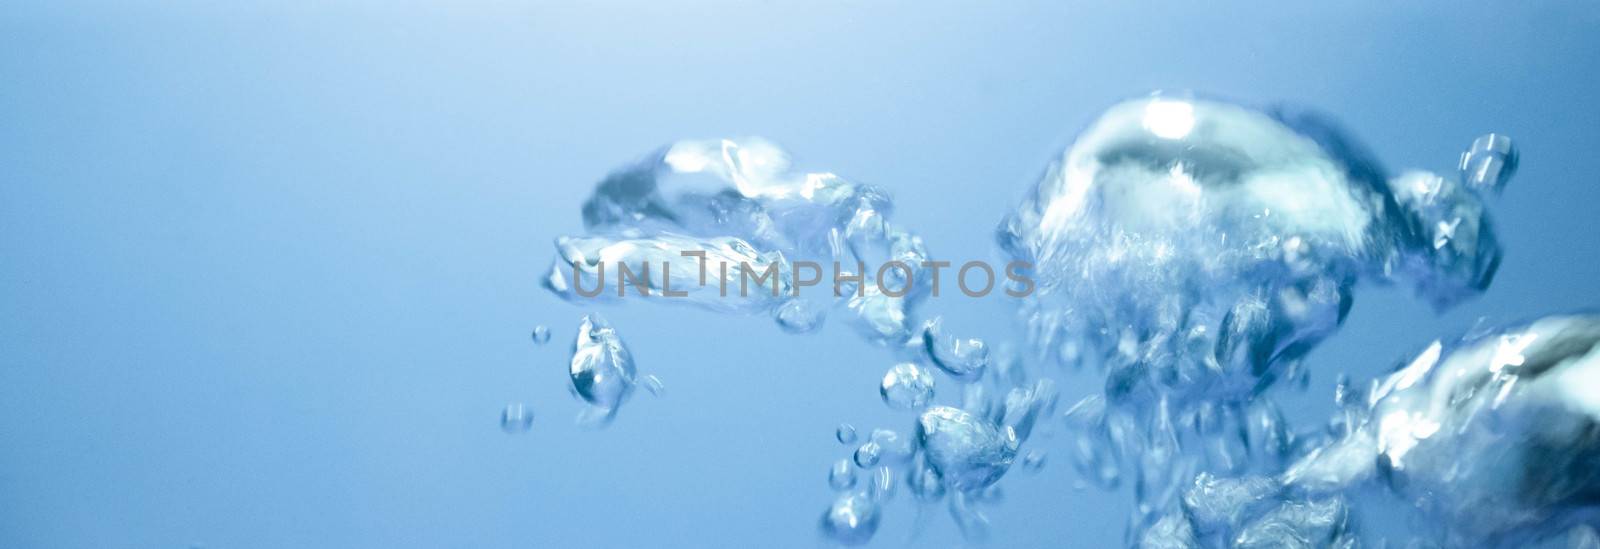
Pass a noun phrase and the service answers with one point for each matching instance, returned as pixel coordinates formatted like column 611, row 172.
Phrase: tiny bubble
column 516, row 418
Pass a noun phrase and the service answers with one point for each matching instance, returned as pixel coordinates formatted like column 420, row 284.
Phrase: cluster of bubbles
column 953, row 454
column 1193, row 252
column 1196, row 250
column 739, row 202
column 706, row 210
column 1490, row 439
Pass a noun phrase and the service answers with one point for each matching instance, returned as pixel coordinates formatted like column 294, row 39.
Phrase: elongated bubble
column 882, row 488
column 658, row 264
column 842, row 476
column 734, row 202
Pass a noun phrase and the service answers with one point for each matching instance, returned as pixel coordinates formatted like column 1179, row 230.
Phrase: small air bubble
column 845, row 433
column 653, row 384
column 1034, row 461
column 516, row 418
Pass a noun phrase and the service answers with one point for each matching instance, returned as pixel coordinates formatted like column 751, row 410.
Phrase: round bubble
column 851, row 520
column 867, row 455
column 846, row 433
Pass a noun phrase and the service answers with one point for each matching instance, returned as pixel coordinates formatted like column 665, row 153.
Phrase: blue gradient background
column 267, row 271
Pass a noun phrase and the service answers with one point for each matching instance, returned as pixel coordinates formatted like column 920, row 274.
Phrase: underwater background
column 270, row 270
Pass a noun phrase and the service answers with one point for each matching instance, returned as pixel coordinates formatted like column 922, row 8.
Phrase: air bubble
column 845, row 434
column 516, row 418
column 842, row 476
column 851, row 520
column 867, row 455
column 906, row 386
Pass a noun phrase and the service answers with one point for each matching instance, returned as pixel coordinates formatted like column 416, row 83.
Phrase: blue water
column 270, row 271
